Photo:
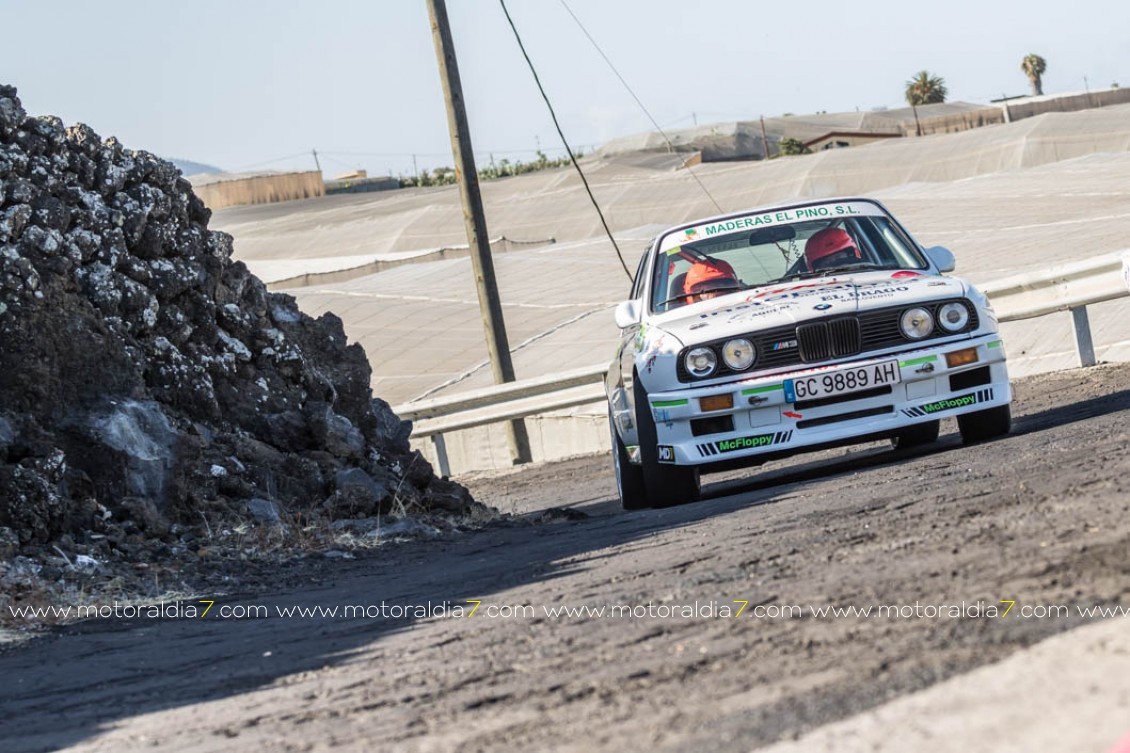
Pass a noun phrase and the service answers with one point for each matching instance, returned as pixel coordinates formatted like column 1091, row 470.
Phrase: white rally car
column 793, row 328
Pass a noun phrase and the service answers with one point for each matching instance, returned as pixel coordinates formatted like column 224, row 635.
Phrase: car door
column 621, row 401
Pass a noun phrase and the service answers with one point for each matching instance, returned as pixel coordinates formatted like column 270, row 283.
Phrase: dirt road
column 1039, row 518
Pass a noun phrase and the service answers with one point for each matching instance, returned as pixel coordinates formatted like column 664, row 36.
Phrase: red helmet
column 828, row 241
column 706, row 275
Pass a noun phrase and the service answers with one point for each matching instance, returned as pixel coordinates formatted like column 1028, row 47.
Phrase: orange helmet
column 828, row 241
column 707, row 275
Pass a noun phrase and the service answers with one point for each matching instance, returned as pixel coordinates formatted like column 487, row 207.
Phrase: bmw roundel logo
column 822, row 306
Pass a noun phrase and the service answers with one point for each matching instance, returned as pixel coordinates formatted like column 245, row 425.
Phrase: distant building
column 1015, row 108
column 842, row 139
column 359, row 181
column 219, row 190
column 353, row 175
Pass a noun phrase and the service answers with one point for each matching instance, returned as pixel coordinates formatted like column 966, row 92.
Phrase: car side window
column 638, row 280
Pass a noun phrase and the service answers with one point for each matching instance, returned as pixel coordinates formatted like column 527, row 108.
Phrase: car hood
column 802, row 300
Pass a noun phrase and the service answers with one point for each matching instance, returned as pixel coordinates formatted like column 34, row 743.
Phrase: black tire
column 629, row 477
column 665, row 485
column 985, row 424
column 917, row 435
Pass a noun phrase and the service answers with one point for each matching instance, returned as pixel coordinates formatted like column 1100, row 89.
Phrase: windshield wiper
column 827, row 272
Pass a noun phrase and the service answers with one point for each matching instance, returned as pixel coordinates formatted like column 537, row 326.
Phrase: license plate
column 842, row 381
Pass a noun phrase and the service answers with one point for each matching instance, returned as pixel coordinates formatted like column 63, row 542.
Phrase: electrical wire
column 568, row 149
column 670, row 146
column 272, row 161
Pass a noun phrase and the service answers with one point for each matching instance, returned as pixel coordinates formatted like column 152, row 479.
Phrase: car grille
column 829, row 339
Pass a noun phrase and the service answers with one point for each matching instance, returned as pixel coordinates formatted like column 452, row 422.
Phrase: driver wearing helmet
column 709, row 278
column 831, row 247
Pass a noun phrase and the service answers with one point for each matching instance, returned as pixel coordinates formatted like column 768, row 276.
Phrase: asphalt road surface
column 1039, row 518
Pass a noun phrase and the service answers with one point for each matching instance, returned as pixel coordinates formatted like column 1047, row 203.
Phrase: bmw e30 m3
column 794, row 328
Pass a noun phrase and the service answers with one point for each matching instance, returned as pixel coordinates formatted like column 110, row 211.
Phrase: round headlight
column 916, row 323
column 739, row 354
column 700, row 362
column 953, row 316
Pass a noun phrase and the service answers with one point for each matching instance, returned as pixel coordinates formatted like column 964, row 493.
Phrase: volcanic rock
column 151, row 385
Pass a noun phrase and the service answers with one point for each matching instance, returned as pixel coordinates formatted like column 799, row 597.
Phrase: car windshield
column 718, row 258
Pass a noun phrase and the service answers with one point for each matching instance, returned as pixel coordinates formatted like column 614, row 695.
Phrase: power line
column 568, row 149
column 272, row 161
column 670, row 146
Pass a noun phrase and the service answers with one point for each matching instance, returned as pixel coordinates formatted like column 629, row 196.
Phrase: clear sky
column 249, row 84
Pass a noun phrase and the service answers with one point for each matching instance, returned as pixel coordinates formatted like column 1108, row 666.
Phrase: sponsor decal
column 778, row 217
column 668, row 403
column 748, row 314
column 886, row 292
column 744, row 443
column 950, row 403
column 783, row 216
column 666, row 453
column 872, row 290
column 779, row 292
column 790, row 414
column 902, row 274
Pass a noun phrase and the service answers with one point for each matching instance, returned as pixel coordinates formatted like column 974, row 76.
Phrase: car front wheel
column 665, row 485
column 629, row 477
column 917, row 435
column 985, row 424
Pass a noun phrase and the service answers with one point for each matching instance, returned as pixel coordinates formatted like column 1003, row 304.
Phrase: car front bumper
column 766, row 417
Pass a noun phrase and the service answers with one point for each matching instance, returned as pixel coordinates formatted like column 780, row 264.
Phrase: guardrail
column 1066, row 287
column 528, row 397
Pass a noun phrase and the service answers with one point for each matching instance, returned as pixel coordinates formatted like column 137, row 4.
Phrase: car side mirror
column 942, row 258
column 627, row 314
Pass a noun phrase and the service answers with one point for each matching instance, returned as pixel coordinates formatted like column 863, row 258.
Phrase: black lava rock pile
column 150, row 386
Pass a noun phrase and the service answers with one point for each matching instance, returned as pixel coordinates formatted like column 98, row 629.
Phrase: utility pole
column 481, row 262
column 764, row 139
column 316, row 162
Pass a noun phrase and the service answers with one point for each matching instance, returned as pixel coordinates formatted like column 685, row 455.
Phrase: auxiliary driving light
column 716, row 402
column 961, row 357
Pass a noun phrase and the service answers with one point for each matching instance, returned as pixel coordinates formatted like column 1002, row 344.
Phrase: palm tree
column 1034, row 66
column 924, row 89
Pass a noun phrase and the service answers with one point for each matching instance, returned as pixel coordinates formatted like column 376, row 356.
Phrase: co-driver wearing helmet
column 831, row 247
column 709, row 279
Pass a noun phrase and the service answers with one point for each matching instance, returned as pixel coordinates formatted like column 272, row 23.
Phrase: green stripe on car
column 916, row 361
column 770, row 388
